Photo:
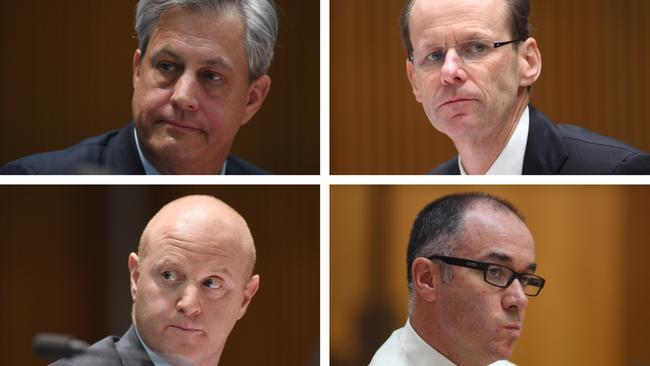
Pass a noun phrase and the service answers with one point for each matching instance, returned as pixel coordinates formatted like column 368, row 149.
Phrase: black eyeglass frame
column 483, row 266
column 494, row 45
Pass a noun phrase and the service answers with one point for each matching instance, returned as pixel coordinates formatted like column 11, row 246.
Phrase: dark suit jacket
column 567, row 149
column 114, row 152
column 111, row 351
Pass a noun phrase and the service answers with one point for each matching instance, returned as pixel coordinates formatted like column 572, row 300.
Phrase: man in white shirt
column 470, row 270
column 471, row 64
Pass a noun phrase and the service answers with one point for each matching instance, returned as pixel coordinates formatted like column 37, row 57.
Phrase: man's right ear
column 134, row 273
column 137, row 59
column 414, row 85
column 425, row 276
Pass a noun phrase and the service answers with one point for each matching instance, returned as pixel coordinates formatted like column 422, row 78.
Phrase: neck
column 479, row 152
column 174, row 165
column 427, row 326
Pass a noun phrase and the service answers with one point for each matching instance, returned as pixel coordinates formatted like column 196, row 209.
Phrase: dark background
column 63, row 266
column 65, row 75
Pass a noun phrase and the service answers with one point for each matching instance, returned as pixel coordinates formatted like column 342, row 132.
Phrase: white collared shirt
column 405, row 348
column 511, row 159
column 149, row 169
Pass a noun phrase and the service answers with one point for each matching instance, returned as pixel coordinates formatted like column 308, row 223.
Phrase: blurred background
column 64, row 266
column 66, row 75
column 591, row 246
column 594, row 75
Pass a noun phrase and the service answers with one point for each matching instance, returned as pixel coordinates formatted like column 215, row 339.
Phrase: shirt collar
column 419, row 352
column 511, row 159
column 149, row 169
column 155, row 358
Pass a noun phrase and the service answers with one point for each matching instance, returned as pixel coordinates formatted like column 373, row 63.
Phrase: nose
column 184, row 94
column 515, row 298
column 189, row 302
column 452, row 70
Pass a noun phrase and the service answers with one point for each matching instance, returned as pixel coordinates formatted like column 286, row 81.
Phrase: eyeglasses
column 498, row 275
column 470, row 51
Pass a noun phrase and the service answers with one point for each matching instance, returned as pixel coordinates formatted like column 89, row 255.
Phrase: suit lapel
column 122, row 154
column 545, row 149
column 131, row 351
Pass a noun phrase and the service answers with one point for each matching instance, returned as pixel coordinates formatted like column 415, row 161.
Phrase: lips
column 455, row 99
column 186, row 328
column 179, row 124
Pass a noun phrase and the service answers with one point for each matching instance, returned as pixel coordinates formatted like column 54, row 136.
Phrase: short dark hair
column 518, row 11
column 437, row 226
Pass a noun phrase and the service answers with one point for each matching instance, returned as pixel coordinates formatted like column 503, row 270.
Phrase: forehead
column 201, row 33
column 457, row 18
column 496, row 236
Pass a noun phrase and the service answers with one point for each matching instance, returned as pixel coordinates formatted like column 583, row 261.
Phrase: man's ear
column 530, row 62
column 425, row 277
column 256, row 94
column 251, row 288
column 137, row 58
column 134, row 271
column 414, row 85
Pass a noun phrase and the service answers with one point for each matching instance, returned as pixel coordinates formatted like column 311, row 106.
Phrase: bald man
column 191, row 280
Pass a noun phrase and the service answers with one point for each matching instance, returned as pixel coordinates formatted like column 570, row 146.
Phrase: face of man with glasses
column 478, row 315
column 464, row 69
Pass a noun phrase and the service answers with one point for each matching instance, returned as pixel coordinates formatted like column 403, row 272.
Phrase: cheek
column 147, row 101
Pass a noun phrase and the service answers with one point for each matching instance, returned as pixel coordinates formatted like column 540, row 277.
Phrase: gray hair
column 518, row 12
column 259, row 18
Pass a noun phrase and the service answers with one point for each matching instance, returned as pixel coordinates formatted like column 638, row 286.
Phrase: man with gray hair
column 198, row 76
column 470, row 268
column 471, row 64
column 191, row 281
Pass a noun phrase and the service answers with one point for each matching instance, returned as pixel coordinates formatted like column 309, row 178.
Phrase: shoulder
column 391, row 352
column 102, row 353
column 591, row 153
column 238, row 166
column 568, row 149
column 449, row 167
column 101, row 154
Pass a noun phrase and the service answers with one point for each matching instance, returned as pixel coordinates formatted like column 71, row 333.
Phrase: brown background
column 65, row 75
column 64, row 266
column 595, row 74
column 591, row 246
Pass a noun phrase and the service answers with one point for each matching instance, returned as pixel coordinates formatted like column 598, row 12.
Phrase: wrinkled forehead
column 496, row 236
column 457, row 20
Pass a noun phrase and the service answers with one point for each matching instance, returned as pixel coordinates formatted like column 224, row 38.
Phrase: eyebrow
column 216, row 61
column 508, row 260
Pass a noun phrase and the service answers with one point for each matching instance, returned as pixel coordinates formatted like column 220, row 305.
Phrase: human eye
column 212, row 76
column 213, row 283
column 496, row 272
column 475, row 48
column 436, row 56
column 170, row 276
column 166, row 67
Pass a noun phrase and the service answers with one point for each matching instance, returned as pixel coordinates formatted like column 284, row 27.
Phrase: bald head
column 204, row 223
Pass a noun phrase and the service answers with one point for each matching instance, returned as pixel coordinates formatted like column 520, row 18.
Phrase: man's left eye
column 212, row 76
column 213, row 283
column 477, row 47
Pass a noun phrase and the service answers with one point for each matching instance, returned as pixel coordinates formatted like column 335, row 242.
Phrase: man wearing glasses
column 470, row 271
column 471, row 63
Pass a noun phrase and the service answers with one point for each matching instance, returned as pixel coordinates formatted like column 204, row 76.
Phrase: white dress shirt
column 511, row 159
column 405, row 348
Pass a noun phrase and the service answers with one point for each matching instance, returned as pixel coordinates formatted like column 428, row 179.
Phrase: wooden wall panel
column 591, row 243
column 57, row 275
column 594, row 75
column 66, row 75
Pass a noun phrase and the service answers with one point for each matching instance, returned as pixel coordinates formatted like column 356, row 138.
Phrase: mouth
column 454, row 100
column 184, row 328
column 181, row 125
